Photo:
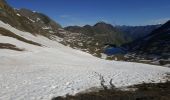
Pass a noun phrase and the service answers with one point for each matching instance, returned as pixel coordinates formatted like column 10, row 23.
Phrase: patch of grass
column 5, row 32
column 9, row 46
column 152, row 91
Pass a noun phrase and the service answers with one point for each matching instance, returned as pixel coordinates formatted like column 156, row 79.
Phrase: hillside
column 22, row 20
column 34, row 64
column 158, row 42
column 154, row 46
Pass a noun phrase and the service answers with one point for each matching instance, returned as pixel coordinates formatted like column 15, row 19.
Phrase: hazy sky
column 116, row 12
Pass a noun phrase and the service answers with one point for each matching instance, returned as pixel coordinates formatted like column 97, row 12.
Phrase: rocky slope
column 40, row 21
column 158, row 42
column 26, row 20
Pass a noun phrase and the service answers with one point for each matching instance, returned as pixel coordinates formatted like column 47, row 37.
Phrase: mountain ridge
column 95, row 37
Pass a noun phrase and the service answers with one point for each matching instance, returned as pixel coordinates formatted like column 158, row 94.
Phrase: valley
column 41, row 60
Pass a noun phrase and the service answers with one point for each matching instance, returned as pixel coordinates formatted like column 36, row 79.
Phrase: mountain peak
column 167, row 23
column 100, row 23
column 103, row 25
column 87, row 26
column 163, row 29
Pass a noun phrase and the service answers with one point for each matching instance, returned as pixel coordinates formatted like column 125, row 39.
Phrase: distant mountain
column 136, row 32
column 93, row 38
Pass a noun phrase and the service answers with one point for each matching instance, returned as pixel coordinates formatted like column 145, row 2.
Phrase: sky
column 116, row 12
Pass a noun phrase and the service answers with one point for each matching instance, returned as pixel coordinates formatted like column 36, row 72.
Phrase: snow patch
column 46, row 27
column 38, row 19
column 103, row 56
column 18, row 14
column 31, row 20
